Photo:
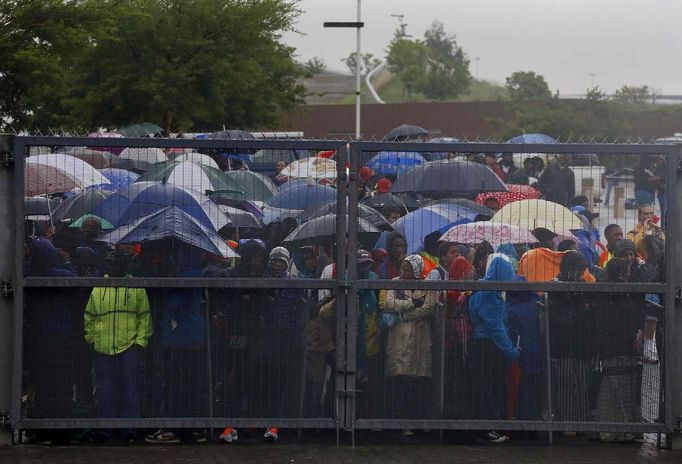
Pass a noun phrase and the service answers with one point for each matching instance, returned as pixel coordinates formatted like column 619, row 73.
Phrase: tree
column 369, row 62
column 596, row 94
column 635, row 94
column 526, row 85
column 314, row 66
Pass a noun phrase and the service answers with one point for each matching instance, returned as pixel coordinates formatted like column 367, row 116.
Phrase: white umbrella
column 147, row 155
column 83, row 173
column 313, row 167
column 198, row 158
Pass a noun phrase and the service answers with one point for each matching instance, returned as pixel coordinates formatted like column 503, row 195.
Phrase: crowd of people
column 251, row 352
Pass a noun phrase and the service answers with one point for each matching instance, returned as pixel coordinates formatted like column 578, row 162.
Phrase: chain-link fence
column 193, row 283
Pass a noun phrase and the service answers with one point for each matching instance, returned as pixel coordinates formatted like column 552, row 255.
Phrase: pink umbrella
column 515, row 193
column 40, row 179
column 485, row 231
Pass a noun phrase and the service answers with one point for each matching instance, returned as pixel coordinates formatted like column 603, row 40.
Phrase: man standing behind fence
column 118, row 324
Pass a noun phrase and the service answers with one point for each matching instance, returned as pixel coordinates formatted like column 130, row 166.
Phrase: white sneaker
column 162, row 436
column 272, row 434
column 493, row 437
column 229, row 435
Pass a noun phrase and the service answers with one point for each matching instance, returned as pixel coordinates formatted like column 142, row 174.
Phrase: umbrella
column 40, row 206
column 416, row 225
column 532, row 138
column 240, row 218
column 438, row 155
column 106, row 225
column 532, row 214
column 322, row 231
column 80, row 204
column 193, row 157
column 171, row 222
column 406, row 132
column 486, row 231
column 469, row 204
column 143, row 156
column 143, row 198
column 380, row 200
column 394, row 162
column 110, row 135
column 271, row 214
column 321, row 170
column 515, row 193
column 40, row 180
column 255, row 185
column 199, row 177
column 232, row 134
column 447, row 178
column 119, row 177
column 84, row 175
column 143, row 130
column 97, row 159
column 369, row 214
column 302, row 196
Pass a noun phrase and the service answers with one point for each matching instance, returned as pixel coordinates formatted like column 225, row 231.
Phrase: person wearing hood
column 513, row 252
column 573, row 340
column 491, row 348
column 408, row 348
column 397, row 250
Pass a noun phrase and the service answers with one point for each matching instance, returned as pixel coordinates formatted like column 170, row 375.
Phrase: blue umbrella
column 532, row 138
column 118, row 177
column 416, row 225
column 302, row 196
column 143, row 198
column 438, row 155
column 394, row 162
column 171, row 223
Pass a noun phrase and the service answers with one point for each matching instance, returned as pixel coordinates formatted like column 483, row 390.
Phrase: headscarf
column 617, row 270
column 499, row 269
column 459, row 268
column 572, row 266
column 623, row 246
column 417, row 263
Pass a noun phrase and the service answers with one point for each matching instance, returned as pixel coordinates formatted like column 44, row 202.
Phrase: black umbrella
column 322, row 231
column 240, row 218
column 448, row 178
column 40, row 206
column 381, row 200
column 406, row 132
column 465, row 202
column 81, row 204
column 371, row 215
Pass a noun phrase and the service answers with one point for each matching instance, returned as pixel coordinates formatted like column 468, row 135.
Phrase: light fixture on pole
column 358, row 60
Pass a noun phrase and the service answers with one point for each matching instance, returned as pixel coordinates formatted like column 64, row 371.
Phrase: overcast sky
column 634, row 42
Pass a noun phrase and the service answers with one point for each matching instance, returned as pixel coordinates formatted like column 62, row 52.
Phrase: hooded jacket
column 524, row 327
column 116, row 318
column 487, row 309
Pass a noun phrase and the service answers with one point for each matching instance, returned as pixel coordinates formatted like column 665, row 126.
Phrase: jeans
column 644, row 197
column 118, row 381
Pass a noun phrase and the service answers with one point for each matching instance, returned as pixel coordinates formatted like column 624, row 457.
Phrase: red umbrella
column 515, row 193
column 513, row 388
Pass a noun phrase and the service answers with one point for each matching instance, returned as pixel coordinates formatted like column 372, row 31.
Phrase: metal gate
column 275, row 369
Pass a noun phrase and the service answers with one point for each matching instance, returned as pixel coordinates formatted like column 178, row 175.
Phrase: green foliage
column 596, row 94
column 635, row 95
column 369, row 62
column 435, row 67
column 314, row 66
column 526, row 85
column 189, row 63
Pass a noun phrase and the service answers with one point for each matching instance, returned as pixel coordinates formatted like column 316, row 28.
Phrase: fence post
column 673, row 306
column 352, row 303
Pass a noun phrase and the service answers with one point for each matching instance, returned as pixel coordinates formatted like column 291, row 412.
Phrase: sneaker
column 199, row 437
column 229, row 435
column 493, row 437
column 407, row 433
column 162, row 436
column 271, row 434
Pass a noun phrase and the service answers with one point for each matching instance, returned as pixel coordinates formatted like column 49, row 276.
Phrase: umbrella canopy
column 371, row 215
column 394, row 162
column 255, row 185
column 146, row 155
column 81, row 204
column 96, row 159
column 240, row 218
column 143, row 130
column 109, row 135
column 171, row 223
column 532, row 138
column 418, row 224
column 199, row 177
column 232, row 134
column 321, row 170
column 143, row 198
column 448, row 177
column 106, row 225
column 486, row 231
column 271, row 214
column 533, row 214
column 515, row 193
column 193, row 157
column 406, row 132
column 119, row 177
column 438, row 155
column 468, row 204
column 302, row 196
column 379, row 201
column 41, row 180
column 40, row 206
column 83, row 174
column 322, row 231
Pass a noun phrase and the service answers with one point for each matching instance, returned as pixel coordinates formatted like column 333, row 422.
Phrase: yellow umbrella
column 533, row 214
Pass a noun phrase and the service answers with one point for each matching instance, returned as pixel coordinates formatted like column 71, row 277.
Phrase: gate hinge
column 7, row 288
column 7, row 159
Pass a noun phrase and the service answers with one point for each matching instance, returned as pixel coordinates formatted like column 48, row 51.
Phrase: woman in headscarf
column 573, row 343
column 491, row 349
column 408, row 349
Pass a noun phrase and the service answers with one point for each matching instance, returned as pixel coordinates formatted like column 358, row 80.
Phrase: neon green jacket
column 116, row 318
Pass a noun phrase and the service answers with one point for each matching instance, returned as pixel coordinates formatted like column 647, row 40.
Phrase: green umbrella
column 255, row 185
column 146, row 129
column 202, row 178
column 106, row 225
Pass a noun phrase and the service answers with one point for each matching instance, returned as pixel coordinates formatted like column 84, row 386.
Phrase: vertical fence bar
column 209, row 359
column 548, row 366
column 672, row 215
column 17, row 368
column 353, row 215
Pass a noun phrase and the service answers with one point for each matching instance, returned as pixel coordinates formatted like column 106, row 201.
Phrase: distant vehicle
column 674, row 140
